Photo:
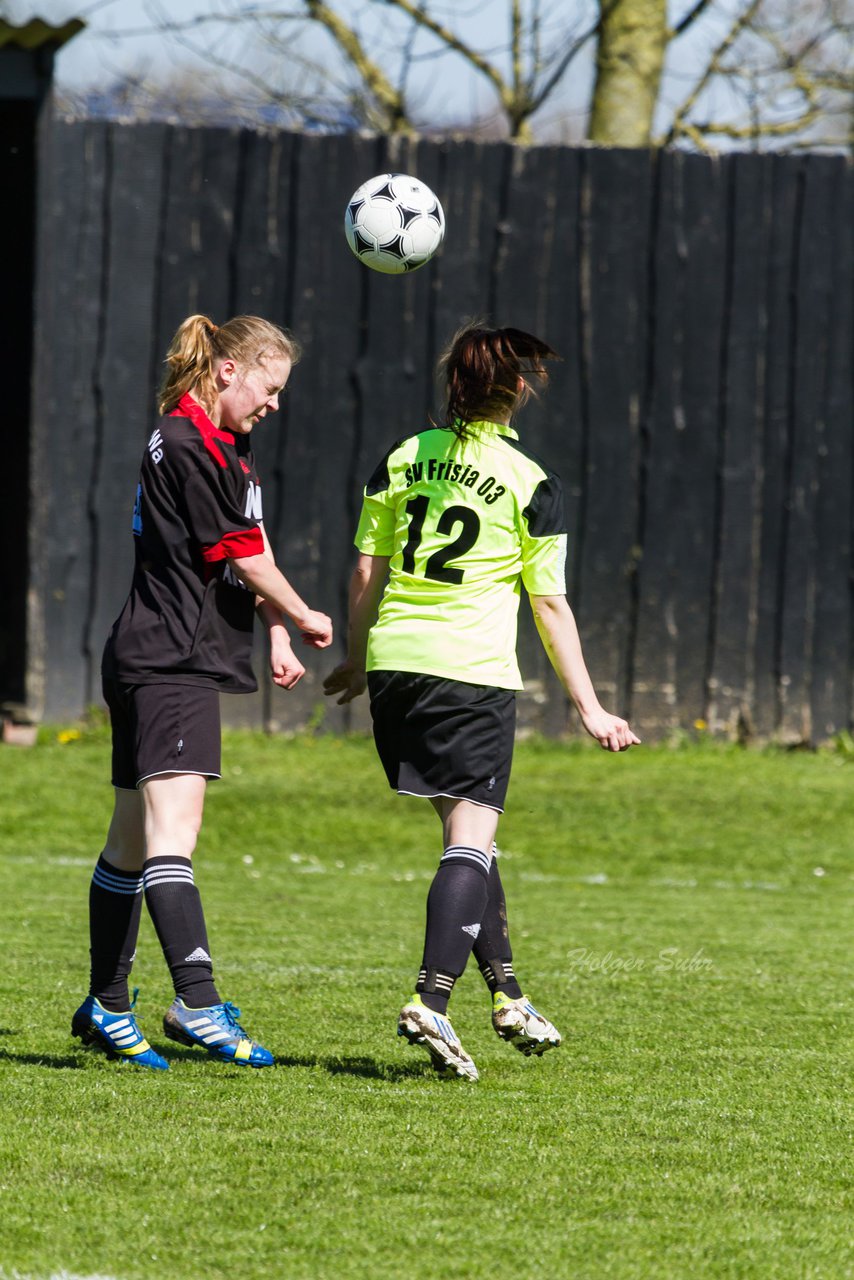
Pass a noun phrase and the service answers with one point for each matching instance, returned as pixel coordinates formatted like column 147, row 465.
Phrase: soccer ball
column 394, row 223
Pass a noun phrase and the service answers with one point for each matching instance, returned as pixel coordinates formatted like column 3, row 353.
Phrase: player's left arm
column 559, row 635
column 285, row 667
column 543, row 540
column 366, row 589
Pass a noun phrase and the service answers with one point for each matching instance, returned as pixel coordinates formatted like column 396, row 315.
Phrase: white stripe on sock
column 477, row 856
column 116, row 884
column 167, row 875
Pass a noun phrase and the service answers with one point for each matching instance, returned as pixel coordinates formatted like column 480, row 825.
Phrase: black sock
column 175, row 907
column 455, row 906
column 492, row 948
column 115, row 907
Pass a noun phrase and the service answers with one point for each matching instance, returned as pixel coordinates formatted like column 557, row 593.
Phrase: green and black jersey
column 465, row 522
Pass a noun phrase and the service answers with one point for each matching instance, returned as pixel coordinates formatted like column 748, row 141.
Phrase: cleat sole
column 441, row 1055
column 180, row 1037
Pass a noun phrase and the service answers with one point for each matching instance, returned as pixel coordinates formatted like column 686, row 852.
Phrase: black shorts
column 162, row 728
column 439, row 737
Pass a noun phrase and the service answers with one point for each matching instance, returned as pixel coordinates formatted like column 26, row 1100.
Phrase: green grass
column 684, row 916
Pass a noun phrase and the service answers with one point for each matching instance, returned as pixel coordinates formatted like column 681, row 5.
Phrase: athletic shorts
column 439, row 737
column 162, row 728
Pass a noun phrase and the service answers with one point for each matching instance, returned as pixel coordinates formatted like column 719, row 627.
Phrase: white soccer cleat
column 519, row 1023
column 421, row 1025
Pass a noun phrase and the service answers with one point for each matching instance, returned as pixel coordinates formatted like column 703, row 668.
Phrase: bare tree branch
column 691, row 17
column 378, row 84
column 680, row 115
column 784, row 64
column 443, row 33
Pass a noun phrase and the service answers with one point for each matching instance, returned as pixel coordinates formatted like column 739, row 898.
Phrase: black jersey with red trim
column 188, row 618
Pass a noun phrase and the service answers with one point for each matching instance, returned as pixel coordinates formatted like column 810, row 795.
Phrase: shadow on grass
column 50, row 1060
column 362, row 1068
column 370, row 1069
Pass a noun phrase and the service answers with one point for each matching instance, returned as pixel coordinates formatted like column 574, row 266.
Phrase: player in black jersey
column 455, row 521
column 203, row 565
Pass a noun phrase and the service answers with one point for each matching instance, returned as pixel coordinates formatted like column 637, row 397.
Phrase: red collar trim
column 187, row 407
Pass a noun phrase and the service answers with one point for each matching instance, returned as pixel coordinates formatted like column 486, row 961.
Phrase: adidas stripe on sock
column 175, row 907
column 115, row 907
column 455, row 906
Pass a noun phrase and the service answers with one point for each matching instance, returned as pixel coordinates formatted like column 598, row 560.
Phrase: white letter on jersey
column 253, row 502
column 154, row 446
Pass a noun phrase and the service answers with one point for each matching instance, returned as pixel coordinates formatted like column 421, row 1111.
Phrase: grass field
column 684, row 916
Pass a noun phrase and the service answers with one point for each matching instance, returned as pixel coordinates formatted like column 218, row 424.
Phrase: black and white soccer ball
column 394, row 223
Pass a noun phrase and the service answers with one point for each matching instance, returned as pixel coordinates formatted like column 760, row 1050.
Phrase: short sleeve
column 377, row 522
column 375, row 534
column 214, row 504
column 544, row 540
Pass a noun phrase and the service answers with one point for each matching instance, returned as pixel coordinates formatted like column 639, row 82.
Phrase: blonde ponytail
column 199, row 344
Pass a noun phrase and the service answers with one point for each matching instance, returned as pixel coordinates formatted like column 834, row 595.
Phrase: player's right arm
column 559, row 634
column 366, row 589
column 261, row 575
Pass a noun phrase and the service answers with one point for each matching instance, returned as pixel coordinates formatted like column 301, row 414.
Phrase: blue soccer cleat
column 421, row 1025
column 216, row 1029
column 115, row 1034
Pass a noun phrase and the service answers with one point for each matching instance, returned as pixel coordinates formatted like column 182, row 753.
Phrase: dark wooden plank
column 831, row 653
column 203, row 169
column 616, row 187
column 123, row 399
column 69, row 284
column 785, row 180
column 731, row 672
column 261, row 249
column 19, row 154
column 704, row 245
column 471, row 194
column 813, row 270
column 654, row 704
column 537, row 288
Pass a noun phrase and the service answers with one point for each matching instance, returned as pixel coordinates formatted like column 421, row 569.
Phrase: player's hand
column 348, row 680
column 612, row 733
column 316, row 630
column 285, row 666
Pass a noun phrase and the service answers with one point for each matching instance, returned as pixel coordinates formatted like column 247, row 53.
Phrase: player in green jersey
column 455, row 521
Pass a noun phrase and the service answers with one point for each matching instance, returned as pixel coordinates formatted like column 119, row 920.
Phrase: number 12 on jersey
column 437, row 566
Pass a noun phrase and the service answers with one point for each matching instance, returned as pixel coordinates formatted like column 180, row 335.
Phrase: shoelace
column 232, row 1016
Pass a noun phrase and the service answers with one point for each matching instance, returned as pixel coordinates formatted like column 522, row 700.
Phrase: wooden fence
column 701, row 418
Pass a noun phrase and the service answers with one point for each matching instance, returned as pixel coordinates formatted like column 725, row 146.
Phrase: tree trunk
column 629, row 61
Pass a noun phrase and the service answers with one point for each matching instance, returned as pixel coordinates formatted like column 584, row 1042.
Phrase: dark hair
column 490, row 373
column 199, row 343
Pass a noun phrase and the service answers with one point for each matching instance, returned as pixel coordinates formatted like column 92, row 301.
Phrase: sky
column 121, row 38
column 114, row 44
